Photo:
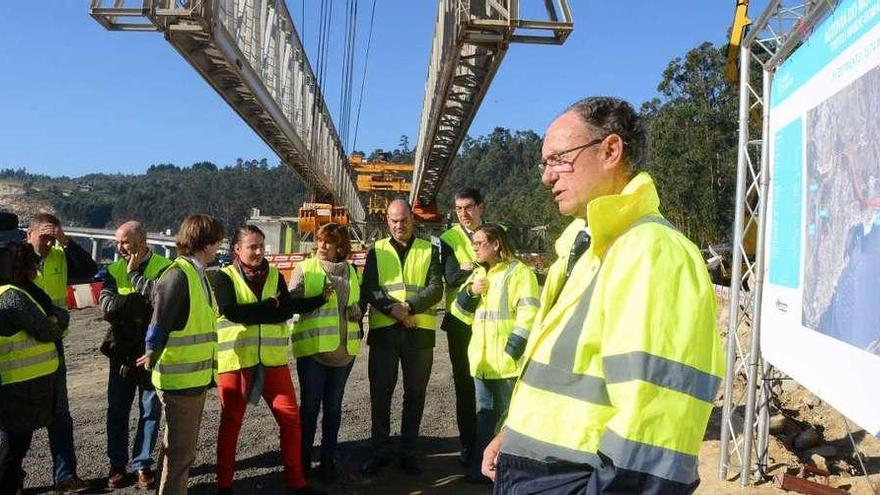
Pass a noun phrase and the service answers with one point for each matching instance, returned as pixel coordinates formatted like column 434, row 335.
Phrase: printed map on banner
column 820, row 316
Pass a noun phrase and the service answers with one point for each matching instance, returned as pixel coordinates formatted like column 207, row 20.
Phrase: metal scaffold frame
column 745, row 415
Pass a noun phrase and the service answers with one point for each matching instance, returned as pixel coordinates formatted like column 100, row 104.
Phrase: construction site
column 795, row 411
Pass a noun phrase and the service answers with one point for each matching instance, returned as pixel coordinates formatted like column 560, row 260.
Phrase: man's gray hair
column 608, row 115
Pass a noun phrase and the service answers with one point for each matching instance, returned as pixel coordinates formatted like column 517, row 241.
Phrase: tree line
column 693, row 133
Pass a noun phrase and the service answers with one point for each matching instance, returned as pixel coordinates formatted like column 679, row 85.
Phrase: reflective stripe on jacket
column 624, row 357
column 119, row 271
column 502, row 319
column 52, row 276
column 240, row 346
column 23, row 357
column 402, row 282
column 188, row 359
column 463, row 249
column 318, row 331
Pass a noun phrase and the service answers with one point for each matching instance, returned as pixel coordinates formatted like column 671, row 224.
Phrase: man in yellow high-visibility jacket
column 61, row 260
column 624, row 360
column 459, row 260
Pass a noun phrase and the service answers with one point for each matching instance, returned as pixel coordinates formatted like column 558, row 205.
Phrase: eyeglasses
column 468, row 208
column 481, row 244
column 555, row 162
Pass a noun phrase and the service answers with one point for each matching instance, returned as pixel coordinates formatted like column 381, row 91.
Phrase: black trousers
column 395, row 352
column 13, row 475
column 458, row 336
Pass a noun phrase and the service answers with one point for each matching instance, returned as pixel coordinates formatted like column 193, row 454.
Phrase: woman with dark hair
column 181, row 346
column 326, row 341
column 253, row 339
column 29, row 327
column 499, row 300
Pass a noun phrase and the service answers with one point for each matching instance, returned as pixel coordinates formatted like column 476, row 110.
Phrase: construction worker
column 181, row 346
column 61, row 261
column 253, row 340
column 499, row 300
column 29, row 326
column 326, row 341
column 402, row 284
column 459, row 260
column 624, row 360
column 125, row 301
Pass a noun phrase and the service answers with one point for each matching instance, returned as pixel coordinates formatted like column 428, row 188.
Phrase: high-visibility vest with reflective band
column 119, row 271
column 463, row 249
column 318, row 331
column 624, row 357
column 508, row 307
column 23, row 357
column 188, row 359
column 402, row 282
column 52, row 276
column 240, row 346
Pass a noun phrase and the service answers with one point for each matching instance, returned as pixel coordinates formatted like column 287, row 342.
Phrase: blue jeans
column 493, row 399
column 61, row 428
column 319, row 386
column 120, row 395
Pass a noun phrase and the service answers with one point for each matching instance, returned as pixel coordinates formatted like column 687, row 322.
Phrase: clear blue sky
column 76, row 99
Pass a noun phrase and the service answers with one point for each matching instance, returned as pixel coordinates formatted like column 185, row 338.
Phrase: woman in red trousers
column 253, row 340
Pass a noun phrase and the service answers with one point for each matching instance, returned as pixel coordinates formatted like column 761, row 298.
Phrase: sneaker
column 72, row 485
column 146, row 479
column 116, row 478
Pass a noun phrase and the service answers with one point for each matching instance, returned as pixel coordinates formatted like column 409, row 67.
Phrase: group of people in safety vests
column 602, row 381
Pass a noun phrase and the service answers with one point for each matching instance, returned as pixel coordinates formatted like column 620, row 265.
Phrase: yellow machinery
column 381, row 181
column 313, row 215
column 737, row 32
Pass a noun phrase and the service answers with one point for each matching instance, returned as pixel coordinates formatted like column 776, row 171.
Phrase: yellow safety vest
column 463, row 249
column 318, row 331
column 402, row 282
column 508, row 307
column 23, row 357
column 188, row 359
column 240, row 346
column 52, row 277
column 119, row 271
column 624, row 357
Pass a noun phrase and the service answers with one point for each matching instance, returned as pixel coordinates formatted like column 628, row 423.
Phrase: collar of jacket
column 609, row 216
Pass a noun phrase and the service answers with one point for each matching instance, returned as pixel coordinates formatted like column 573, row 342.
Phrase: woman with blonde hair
column 326, row 341
column 500, row 300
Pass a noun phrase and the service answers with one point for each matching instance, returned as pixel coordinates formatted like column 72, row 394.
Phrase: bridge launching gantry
column 471, row 38
column 250, row 52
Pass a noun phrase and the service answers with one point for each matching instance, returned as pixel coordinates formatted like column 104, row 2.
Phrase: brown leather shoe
column 116, row 478
column 72, row 485
column 146, row 479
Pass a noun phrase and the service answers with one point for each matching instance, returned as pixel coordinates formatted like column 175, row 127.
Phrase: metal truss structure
column 471, row 38
column 745, row 414
column 250, row 52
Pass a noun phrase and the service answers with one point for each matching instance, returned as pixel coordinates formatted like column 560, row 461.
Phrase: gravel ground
column 258, row 458
column 259, row 469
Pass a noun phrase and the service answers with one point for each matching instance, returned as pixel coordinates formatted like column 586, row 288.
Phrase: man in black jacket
column 126, row 304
